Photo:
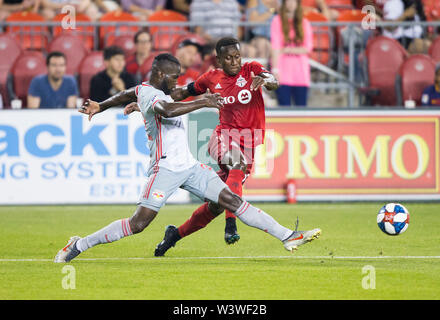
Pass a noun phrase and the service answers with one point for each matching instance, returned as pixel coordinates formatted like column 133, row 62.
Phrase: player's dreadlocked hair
column 224, row 42
column 164, row 57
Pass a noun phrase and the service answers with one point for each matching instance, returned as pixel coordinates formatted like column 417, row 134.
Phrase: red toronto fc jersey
column 243, row 109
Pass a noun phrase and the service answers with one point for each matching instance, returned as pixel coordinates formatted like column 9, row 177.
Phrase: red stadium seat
column 126, row 42
column 384, row 58
column 417, row 72
column 164, row 36
column 339, row 4
column 434, row 50
column 30, row 37
column 322, row 38
column 351, row 15
column 86, row 33
column 108, row 33
column 10, row 49
column 73, row 47
column 432, row 9
column 90, row 65
column 28, row 65
column 309, row 3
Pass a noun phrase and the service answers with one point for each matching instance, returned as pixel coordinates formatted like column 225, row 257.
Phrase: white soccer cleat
column 298, row 238
column 68, row 252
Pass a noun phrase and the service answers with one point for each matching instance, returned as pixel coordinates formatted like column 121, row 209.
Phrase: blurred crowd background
column 325, row 53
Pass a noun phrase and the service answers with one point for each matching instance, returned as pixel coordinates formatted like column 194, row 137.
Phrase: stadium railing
column 345, row 73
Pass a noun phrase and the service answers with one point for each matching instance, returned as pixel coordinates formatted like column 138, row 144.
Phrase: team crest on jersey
column 241, row 82
column 158, row 195
column 244, row 96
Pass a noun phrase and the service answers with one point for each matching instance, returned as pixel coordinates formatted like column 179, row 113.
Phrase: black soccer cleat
column 169, row 240
column 231, row 235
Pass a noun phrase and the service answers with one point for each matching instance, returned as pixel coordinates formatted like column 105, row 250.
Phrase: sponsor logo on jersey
column 218, row 86
column 244, row 96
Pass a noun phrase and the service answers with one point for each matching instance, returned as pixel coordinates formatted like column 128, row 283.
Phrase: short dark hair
column 165, row 57
column 136, row 36
column 224, row 42
column 112, row 51
column 190, row 42
column 55, row 54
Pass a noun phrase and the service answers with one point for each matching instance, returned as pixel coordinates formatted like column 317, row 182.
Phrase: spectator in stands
column 107, row 5
column 142, row 8
column 113, row 79
column 9, row 6
column 321, row 7
column 50, row 8
column 181, row 6
column 209, row 58
column 292, row 42
column 54, row 89
column 405, row 10
column 217, row 18
column 188, row 53
column 261, row 11
column 431, row 94
column 143, row 47
column 377, row 4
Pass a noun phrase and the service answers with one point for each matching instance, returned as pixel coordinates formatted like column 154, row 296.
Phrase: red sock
column 235, row 183
column 199, row 219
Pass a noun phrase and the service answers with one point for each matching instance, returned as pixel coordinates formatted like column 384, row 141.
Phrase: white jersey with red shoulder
column 167, row 137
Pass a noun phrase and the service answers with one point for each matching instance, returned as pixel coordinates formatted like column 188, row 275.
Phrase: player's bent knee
column 229, row 200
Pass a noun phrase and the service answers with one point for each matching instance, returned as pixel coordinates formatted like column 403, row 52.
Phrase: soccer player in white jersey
column 172, row 165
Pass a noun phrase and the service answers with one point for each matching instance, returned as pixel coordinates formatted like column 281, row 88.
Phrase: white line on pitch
column 219, row 258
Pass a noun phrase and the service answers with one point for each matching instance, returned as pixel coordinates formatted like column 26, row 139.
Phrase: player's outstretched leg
column 110, row 233
column 257, row 218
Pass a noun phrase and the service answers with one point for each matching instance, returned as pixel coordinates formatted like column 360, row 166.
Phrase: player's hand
column 257, row 81
column 132, row 107
column 214, row 100
column 90, row 107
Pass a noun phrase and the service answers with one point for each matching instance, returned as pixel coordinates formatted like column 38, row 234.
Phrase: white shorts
column 201, row 180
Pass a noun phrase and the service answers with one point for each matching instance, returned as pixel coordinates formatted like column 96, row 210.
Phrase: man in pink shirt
column 292, row 42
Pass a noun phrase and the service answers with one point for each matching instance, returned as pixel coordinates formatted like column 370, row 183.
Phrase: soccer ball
column 393, row 219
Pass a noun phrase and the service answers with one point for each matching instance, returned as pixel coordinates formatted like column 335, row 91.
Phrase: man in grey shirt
column 217, row 18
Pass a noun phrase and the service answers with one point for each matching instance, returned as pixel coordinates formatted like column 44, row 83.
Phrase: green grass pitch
column 352, row 259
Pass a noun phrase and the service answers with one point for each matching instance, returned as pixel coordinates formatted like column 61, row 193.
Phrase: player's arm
column 91, row 107
column 175, row 109
column 179, row 94
column 265, row 79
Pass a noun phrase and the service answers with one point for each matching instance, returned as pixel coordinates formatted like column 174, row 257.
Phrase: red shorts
column 223, row 141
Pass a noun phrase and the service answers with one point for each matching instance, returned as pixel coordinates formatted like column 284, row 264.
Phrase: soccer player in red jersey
column 232, row 144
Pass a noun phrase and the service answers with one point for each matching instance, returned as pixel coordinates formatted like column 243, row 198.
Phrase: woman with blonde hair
column 292, row 42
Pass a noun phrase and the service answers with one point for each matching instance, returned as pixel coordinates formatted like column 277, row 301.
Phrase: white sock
column 259, row 219
column 113, row 232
